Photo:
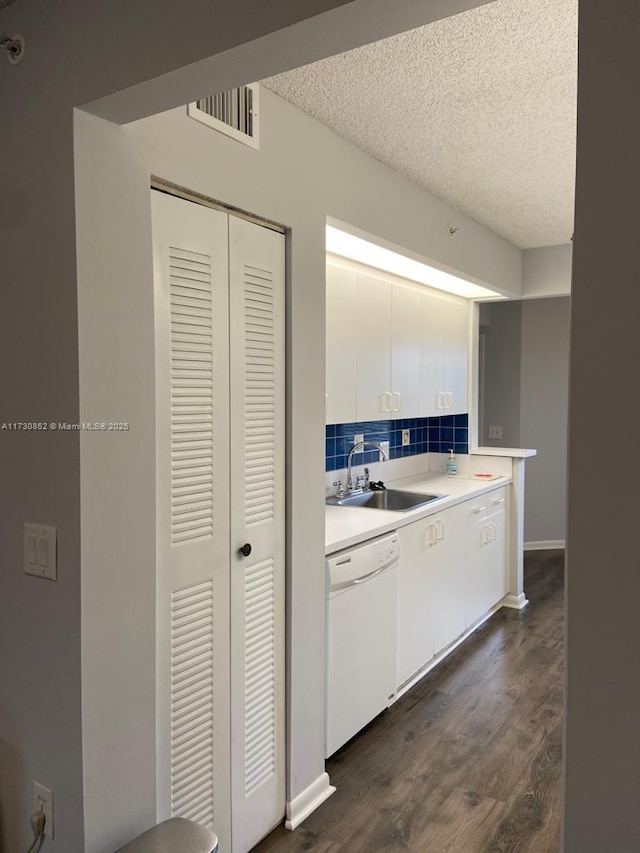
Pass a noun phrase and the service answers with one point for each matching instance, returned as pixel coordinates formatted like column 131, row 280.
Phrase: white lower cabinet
column 430, row 599
column 485, row 559
column 453, row 569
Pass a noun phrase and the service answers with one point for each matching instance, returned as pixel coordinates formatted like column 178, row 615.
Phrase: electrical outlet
column 406, row 437
column 385, row 446
column 358, row 438
column 495, row 432
column 43, row 801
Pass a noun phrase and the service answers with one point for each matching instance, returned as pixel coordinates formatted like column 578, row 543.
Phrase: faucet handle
column 339, row 489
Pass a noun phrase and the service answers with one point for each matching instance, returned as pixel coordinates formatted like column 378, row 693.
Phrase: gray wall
column 502, row 357
column 602, row 789
column 526, row 389
column 544, row 391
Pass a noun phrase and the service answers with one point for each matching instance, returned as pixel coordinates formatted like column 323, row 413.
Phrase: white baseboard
column 544, row 545
column 308, row 801
column 515, row 602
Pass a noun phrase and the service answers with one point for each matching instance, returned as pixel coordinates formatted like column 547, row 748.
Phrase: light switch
column 43, row 553
column 31, row 549
column 495, row 432
column 40, row 551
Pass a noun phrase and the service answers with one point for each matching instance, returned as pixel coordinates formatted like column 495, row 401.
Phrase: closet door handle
column 448, row 399
column 399, row 406
column 245, row 551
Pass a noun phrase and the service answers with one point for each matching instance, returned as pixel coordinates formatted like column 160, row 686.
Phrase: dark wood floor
column 469, row 761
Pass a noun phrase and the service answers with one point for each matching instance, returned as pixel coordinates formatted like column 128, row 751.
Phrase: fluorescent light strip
column 357, row 249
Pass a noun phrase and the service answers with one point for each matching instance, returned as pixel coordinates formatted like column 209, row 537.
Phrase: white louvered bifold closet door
column 192, row 406
column 256, row 271
column 219, row 286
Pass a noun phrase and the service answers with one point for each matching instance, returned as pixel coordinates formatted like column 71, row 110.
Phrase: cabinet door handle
column 399, row 406
column 478, row 509
column 386, row 400
column 440, row 529
column 432, row 535
column 494, row 532
column 448, row 399
column 440, row 400
column 486, row 536
column 498, row 501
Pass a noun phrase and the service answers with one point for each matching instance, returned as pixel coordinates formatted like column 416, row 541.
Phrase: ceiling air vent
column 234, row 112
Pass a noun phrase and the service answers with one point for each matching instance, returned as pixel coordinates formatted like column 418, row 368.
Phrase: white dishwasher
column 362, row 628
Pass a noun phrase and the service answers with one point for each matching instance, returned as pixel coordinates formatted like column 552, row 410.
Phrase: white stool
column 176, row 835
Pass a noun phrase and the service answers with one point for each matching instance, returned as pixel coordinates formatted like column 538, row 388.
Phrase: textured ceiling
column 479, row 108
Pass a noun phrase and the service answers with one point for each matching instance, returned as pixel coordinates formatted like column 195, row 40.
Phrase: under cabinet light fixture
column 356, row 249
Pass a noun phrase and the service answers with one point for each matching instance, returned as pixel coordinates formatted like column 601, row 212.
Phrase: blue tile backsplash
column 428, row 435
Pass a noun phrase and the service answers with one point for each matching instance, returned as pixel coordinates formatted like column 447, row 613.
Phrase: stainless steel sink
column 391, row 499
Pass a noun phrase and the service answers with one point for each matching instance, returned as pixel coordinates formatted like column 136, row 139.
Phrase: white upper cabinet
column 432, row 355
column 341, row 345
column 456, row 356
column 406, row 343
column 394, row 350
column 445, row 353
column 371, row 326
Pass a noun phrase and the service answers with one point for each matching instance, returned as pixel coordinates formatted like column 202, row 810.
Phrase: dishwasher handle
column 370, row 575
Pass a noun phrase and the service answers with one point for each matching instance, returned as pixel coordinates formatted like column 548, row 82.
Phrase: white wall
column 117, row 383
column 544, row 390
column 546, row 271
column 602, row 746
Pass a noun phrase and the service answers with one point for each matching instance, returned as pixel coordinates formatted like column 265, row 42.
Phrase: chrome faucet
column 358, row 444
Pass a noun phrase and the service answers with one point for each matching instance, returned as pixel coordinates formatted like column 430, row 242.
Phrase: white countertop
column 347, row 526
column 513, row 452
